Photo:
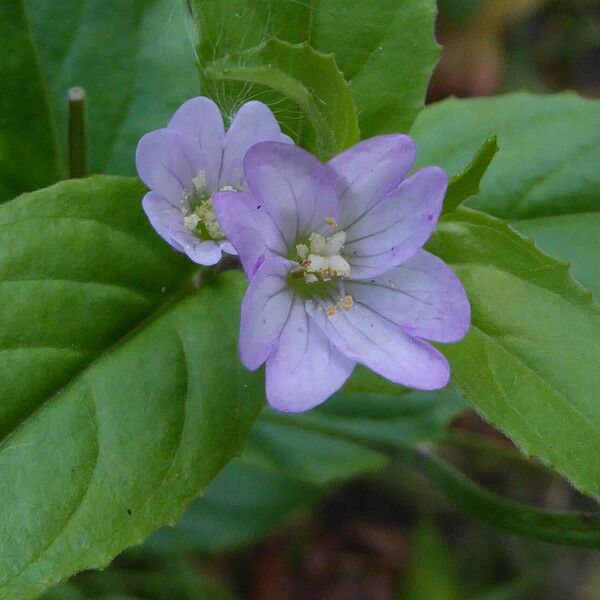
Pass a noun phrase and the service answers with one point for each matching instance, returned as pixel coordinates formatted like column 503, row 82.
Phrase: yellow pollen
column 331, row 221
column 332, row 310
column 347, row 302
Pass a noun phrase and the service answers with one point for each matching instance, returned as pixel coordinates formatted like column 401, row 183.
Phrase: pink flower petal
column 368, row 171
column 167, row 162
column 254, row 122
column 305, row 369
column 249, row 228
column 265, row 310
column 200, row 118
column 423, row 296
column 164, row 217
column 203, row 252
column 293, row 186
column 394, row 228
column 382, row 346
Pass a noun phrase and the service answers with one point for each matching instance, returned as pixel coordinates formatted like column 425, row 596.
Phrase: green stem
column 569, row 528
column 483, row 446
column 77, row 142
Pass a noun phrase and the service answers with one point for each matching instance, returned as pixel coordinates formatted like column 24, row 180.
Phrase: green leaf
column 466, row 183
column 29, row 156
column 529, row 361
column 307, row 77
column 545, row 179
column 292, row 460
column 385, row 49
column 135, row 60
column 122, row 396
column 572, row 237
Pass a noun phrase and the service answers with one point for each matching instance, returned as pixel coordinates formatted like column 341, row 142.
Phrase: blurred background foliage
column 317, row 515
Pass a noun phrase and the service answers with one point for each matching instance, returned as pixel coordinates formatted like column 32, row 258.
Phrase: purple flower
column 337, row 271
column 189, row 160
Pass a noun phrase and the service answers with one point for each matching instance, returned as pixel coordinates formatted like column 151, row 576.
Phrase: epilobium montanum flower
column 193, row 157
column 337, row 271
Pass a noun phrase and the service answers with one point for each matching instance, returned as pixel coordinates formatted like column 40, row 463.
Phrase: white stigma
column 323, row 256
column 327, row 246
column 322, row 260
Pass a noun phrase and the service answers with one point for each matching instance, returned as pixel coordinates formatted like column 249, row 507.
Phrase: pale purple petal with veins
column 164, row 217
column 205, row 252
column 368, row 171
column 167, row 162
column 265, row 310
column 366, row 337
column 227, row 247
column 200, row 118
column 423, row 296
column 249, row 228
column 305, row 368
column 253, row 123
column 394, row 228
column 293, row 186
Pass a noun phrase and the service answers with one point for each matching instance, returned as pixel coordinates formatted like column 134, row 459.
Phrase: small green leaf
column 529, row 361
column 385, row 49
column 466, row 183
column 29, row 154
column 122, row 394
column 387, row 52
column 307, row 77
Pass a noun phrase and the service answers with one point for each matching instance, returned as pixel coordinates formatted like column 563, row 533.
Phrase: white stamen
column 200, row 183
column 191, row 221
column 197, row 207
column 310, row 278
column 207, row 215
column 323, row 257
column 302, row 250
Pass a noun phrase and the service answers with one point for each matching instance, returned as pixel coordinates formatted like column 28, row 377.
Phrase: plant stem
column 77, row 142
column 560, row 527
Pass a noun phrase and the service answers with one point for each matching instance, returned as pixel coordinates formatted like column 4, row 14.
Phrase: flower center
column 198, row 212
column 321, row 258
column 320, row 266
